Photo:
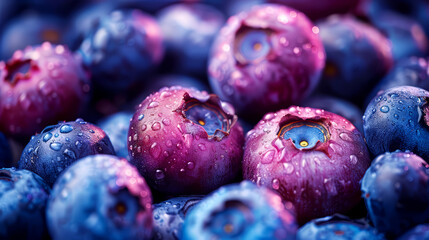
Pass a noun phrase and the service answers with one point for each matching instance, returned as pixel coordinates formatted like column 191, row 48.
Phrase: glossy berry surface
column 397, row 119
column 189, row 31
column 357, row 56
column 338, row 227
column 122, row 48
column 23, row 198
column 241, row 211
column 265, row 59
column 40, row 86
column 313, row 158
column 395, row 190
column 57, row 147
column 100, row 197
column 169, row 216
column 116, row 127
column 185, row 142
column 5, row 152
column 417, row 233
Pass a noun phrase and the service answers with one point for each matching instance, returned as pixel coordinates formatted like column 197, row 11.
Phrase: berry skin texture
column 311, row 157
column 100, row 197
column 40, row 86
column 417, row 233
column 395, row 190
column 185, row 142
column 124, row 46
column 169, row 216
column 338, row 227
column 265, row 59
column 397, row 119
column 57, row 147
column 241, row 211
column 23, row 198
column 116, row 127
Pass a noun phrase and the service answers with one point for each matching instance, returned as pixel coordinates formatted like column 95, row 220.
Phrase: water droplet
column 345, row 137
column 190, row 165
column 69, row 153
column 156, row 126
column 275, row 184
column 78, row 145
column 91, row 131
column 288, row 168
column 56, row 146
column 384, row 109
column 47, row 136
column 202, row 147
column 153, row 104
column 330, row 186
column 66, row 128
column 159, row 174
column 29, row 150
column 165, row 95
column 353, row 159
column 144, row 127
column 396, row 116
column 168, row 143
column 141, row 116
column 268, row 157
column 155, row 150
column 166, row 121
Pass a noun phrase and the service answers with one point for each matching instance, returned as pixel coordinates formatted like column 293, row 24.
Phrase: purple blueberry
column 5, row 152
column 417, row 233
column 266, row 58
column 189, row 31
column 395, row 190
column 116, row 127
column 398, row 119
column 169, row 216
column 121, row 49
column 23, row 198
column 100, row 197
column 357, row 56
column 185, row 142
column 57, row 147
column 338, row 227
column 40, row 86
column 313, row 158
column 241, row 211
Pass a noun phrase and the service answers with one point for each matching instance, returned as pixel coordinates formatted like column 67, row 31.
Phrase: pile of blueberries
column 214, row 119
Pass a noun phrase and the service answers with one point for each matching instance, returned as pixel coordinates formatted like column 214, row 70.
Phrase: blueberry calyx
column 252, row 45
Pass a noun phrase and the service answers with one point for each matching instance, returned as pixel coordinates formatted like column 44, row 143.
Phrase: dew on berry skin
column 190, row 165
column 141, row 116
column 353, row 159
column 159, row 174
column 330, row 186
column 29, row 150
column 396, row 116
column 56, row 146
column 91, row 131
column 156, row 126
column 268, row 157
column 165, row 95
column 153, row 104
column 144, row 127
column 288, row 168
column 169, row 143
column 345, row 137
column 275, row 184
column 47, row 136
column 155, row 150
column 202, row 147
column 384, row 109
column 78, row 145
column 66, row 128
column 69, row 153
column 166, row 121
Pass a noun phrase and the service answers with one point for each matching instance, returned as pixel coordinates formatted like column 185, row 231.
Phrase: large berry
column 100, row 197
column 121, row 49
column 396, row 192
column 57, row 147
column 185, row 141
column 116, row 127
column 398, row 119
column 313, row 158
column 40, row 86
column 265, row 59
column 23, row 198
column 169, row 216
column 241, row 211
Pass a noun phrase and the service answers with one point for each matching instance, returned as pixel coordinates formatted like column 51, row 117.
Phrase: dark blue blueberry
column 396, row 192
column 241, row 211
column 116, row 127
column 338, row 227
column 30, row 29
column 411, row 71
column 357, row 56
column 121, row 49
column 23, row 198
column 6, row 158
column 419, row 232
column 57, row 147
column 169, row 216
column 188, row 31
column 100, row 197
column 398, row 119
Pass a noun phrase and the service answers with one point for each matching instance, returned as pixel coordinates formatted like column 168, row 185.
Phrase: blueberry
column 338, row 227
column 395, row 190
column 58, row 146
column 116, row 127
column 397, row 119
column 169, row 216
column 417, row 233
column 100, row 197
column 241, row 211
column 5, row 152
column 23, row 198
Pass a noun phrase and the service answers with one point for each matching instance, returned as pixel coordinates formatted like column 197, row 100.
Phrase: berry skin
column 397, row 119
column 417, row 233
column 116, row 127
column 100, row 197
column 169, row 216
column 189, row 31
column 338, row 227
column 313, row 158
column 6, row 158
column 23, row 198
column 185, row 142
column 124, row 46
column 395, row 190
column 241, row 211
column 265, row 59
column 357, row 56
column 57, row 147
column 40, row 86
